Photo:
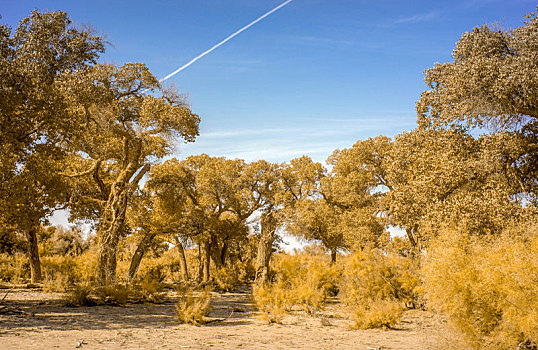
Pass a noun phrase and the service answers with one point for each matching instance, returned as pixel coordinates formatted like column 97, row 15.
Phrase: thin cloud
column 241, row 132
column 420, row 17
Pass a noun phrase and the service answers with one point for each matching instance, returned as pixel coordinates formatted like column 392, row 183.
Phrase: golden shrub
column 14, row 268
column 299, row 280
column 376, row 285
column 89, row 294
column 488, row 286
column 272, row 300
column 227, row 278
column 59, row 273
column 379, row 314
column 192, row 308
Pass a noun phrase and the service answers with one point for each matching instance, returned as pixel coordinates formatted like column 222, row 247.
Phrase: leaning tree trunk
column 139, row 254
column 35, row 263
column 265, row 247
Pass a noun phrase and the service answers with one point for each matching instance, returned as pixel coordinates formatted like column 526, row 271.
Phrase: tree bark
column 182, row 261
column 223, row 252
column 411, row 237
column 35, row 263
column 333, row 256
column 265, row 247
column 200, row 264
column 113, row 219
column 206, row 259
column 139, row 254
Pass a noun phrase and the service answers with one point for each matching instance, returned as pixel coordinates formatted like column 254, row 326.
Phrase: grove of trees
column 90, row 138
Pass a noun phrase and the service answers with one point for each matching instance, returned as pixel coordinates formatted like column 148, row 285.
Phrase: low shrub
column 298, row 280
column 59, row 273
column 272, row 300
column 379, row 314
column 193, row 307
column 227, row 278
column 148, row 290
column 88, row 294
column 14, row 268
column 81, row 295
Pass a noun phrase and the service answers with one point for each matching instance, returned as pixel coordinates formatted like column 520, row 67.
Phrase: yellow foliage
column 227, row 278
column 301, row 280
column 59, row 273
column 193, row 308
column 14, row 268
column 88, row 294
column 376, row 285
column 380, row 314
column 272, row 300
column 488, row 286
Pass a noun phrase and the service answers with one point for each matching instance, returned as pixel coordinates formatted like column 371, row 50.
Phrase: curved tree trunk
column 412, row 237
column 143, row 246
column 265, row 246
column 35, row 263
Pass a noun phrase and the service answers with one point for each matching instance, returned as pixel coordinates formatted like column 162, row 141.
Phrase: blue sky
column 314, row 76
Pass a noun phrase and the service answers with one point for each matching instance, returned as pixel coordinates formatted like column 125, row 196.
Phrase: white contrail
column 224, row 41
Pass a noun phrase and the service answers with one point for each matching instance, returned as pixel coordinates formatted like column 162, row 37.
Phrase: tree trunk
column 139, row 254
column 265, row 247
column 411, row 237
column 35, row 263
column 182, row 261
column 206, row 259
column 200, row 264
column 113, row 219
column 223, row 252
column 215, row 255
column 333, row 256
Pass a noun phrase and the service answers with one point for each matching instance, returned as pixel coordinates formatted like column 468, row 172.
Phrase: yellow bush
column 227, row 278
column 193, row 308
column 89, row 294
column 59, row 273
column 299, row 279
column 14, row 268
column 488, row 286
column 272, row 300
column 148, row 289
column 376, row 285
column 379, row 314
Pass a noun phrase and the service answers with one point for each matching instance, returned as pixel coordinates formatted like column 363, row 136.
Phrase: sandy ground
column 40, row 320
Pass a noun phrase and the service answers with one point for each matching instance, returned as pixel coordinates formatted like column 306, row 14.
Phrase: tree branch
column 84, row 173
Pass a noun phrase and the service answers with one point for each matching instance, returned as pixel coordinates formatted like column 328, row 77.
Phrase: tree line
column 81, row 136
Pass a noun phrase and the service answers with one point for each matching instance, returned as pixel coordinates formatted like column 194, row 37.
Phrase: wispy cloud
column 419, row 17
column 241, row 132
column 316, row 137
